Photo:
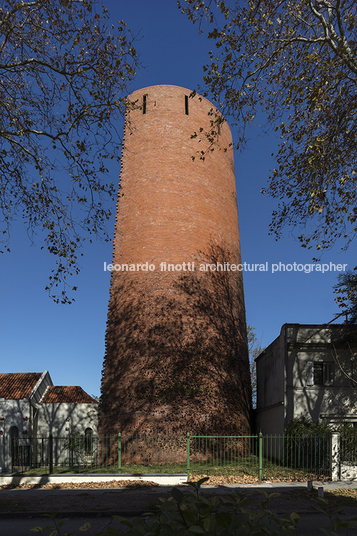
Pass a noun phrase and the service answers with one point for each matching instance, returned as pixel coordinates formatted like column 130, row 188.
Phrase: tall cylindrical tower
column 176, row 349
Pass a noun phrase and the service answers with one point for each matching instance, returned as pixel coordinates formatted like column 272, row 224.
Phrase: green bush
column 348, row 443
column 304, row 425
column 307, row 445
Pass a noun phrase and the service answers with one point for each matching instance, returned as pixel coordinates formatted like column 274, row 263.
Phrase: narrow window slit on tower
column 186, row 104
column 144, row 104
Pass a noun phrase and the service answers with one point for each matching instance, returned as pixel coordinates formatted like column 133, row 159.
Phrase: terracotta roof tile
column 71, row 394
column 17, row 385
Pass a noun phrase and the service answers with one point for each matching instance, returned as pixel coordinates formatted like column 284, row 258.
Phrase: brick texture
column 176, row 350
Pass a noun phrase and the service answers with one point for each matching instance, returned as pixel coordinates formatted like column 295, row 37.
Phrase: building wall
column 63, row 419
column 285, row 372
column 270, row 388
column 325, row 346
column 12, row 413
column 270, row 420
column 176, row 349
column 173, row 206
column 39, row 390
column 33, row 420
column 22, row 413
column 15, row 413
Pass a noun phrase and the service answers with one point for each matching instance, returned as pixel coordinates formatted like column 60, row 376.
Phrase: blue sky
column 37, row 334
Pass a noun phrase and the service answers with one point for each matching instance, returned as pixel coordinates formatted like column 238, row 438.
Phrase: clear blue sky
column 37, row 334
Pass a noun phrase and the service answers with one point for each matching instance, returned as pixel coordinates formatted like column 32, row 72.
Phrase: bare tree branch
column 63, row 83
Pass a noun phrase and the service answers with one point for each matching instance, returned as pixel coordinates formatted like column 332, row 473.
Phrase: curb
column 164, row 479
column 61, row 515
column 127, row 514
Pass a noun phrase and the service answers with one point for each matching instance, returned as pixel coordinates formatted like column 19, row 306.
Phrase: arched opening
column 88, row 440
column 14, row 444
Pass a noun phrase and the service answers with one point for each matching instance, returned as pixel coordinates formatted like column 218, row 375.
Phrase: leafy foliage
column 63, row 77
column 346, row 290
column 303, row 425
column 79, row 446
column 195, row 513
column 306, row 444
column 294, row 60
column 254, row 349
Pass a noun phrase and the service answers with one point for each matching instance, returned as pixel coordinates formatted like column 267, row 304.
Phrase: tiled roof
column 71, row 394
column 17, row 385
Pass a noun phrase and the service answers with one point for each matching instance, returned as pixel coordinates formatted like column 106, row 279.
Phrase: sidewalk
column 97, row 506
column 132, row 502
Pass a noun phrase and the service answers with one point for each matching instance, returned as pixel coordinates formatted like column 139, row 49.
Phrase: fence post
column 119, row 450
column 335, row 444
column 260, row 456
column 188, row 456
column 50, row 444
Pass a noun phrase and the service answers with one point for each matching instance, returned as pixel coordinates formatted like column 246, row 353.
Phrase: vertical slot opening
column 186, row 104
column 144, row 104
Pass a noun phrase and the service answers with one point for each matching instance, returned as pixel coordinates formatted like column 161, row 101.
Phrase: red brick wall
column 182, row 331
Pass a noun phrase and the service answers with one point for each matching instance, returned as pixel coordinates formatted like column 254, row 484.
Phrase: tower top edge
column 164, row 86
column 168, row 88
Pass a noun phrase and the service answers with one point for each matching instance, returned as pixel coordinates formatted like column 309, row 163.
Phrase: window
column 14, row 445
column 144, row 104
column 320, row 373
column 186, row 104
column 88, row 439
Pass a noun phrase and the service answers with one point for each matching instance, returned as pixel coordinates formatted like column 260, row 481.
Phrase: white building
column 311, row 371
column 31, row 407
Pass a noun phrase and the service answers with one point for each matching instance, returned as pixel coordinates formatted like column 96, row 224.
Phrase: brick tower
column 176, row 349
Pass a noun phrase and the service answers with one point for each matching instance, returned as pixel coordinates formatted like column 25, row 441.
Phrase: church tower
column 176, row 347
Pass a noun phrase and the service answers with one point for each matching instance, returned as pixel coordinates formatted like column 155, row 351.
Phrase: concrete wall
column 12, row 413
column 270, row 420
column 15, row 413
column 283, row 373
column 23, row 412
column 270, row 388
column 38, row 420
column 334, row 400
column 63, row 419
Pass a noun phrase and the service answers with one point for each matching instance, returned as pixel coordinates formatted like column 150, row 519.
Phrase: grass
column 342, row 497
column 234, row 473
column 271, row 471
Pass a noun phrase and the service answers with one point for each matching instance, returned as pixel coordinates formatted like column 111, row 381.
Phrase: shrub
column 307, row 445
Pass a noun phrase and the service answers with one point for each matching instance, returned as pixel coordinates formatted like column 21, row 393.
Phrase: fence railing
column 250, row 457
column 349, row 447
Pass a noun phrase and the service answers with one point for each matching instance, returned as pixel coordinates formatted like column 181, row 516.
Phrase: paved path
column 97, row 506
column 23, row 526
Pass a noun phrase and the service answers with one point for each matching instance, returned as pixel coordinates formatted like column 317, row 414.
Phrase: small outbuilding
column 32, row 408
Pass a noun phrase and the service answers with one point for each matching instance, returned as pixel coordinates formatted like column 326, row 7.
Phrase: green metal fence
column 96, row 454
column 230, row 454
column 263, row 457
column 348, row 446
column 255, row 457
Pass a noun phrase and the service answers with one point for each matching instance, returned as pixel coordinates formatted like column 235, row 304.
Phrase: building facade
column 32, row 408
column 310, row 371
column 176, row 349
